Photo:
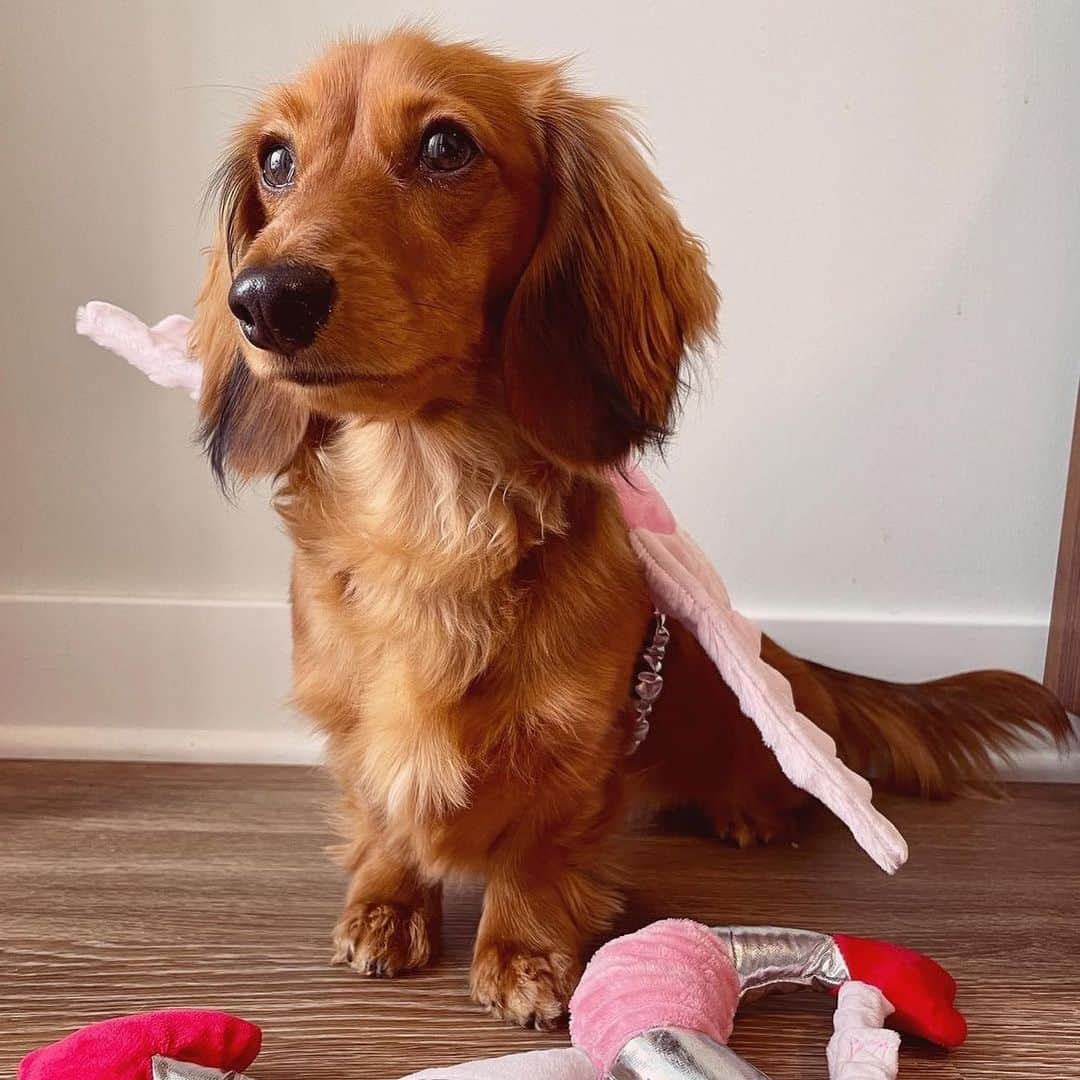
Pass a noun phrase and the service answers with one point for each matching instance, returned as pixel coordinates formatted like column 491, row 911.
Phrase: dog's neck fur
column 426, row 523
column 454, row 489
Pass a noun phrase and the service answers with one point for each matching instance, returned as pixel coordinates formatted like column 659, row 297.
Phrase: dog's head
column 412, row 224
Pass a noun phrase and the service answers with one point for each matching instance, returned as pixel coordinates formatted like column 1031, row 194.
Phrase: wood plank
column 127, row 887
column 1063, row 645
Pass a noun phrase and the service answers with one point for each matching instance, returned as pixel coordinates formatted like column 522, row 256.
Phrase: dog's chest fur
column 408, row 600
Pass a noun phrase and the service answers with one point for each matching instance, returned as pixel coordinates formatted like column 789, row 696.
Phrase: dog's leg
column 538, row 917
column 392, row 918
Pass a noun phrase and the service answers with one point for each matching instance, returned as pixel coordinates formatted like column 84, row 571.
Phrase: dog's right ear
column 616, row 294
column 249, row 427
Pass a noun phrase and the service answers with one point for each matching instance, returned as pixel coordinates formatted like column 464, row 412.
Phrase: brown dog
column 447, row 295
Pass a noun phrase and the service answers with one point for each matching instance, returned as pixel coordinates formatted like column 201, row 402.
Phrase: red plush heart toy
column 151, row 1046
column 921, row 991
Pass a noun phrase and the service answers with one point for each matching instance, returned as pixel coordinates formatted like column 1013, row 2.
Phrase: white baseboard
column 160, row 679
column 151, row 679
column 86, row 742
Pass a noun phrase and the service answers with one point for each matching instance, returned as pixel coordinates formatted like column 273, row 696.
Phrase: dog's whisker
column 247, row 91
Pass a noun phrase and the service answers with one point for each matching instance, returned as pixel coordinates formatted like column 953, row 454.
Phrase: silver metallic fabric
column 675, row 1054
column 772, row 960
column 167, row 1069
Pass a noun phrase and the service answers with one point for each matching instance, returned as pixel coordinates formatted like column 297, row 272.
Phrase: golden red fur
column 467, row 610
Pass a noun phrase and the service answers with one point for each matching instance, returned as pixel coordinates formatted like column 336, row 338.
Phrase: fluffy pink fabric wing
column 686, row 586
column 159, row 352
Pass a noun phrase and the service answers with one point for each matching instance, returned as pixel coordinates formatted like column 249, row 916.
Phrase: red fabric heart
column 122, row 1048
column 921, row 991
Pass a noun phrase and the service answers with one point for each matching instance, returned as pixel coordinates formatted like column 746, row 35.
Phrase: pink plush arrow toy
column 683, row 582
column 662, row 1002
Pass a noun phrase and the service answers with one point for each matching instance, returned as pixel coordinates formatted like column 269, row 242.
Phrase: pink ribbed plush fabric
column 673, row 973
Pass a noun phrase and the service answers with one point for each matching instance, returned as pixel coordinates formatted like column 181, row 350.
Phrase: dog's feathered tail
column 940, row 738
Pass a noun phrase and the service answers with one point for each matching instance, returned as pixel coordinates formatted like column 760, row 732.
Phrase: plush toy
column 669, row 994
column 656, row 1004
column 684, row 586
column 181, row 1044
column 661, row 1003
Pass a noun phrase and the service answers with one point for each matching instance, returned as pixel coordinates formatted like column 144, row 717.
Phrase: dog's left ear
column 250, row 428
column 615, row 296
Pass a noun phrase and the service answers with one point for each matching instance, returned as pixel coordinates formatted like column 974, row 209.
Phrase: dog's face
column 384, row 203
column 411, row 224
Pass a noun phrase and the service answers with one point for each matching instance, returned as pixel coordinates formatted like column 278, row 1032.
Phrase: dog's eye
column 446, row 148
column 278, row 166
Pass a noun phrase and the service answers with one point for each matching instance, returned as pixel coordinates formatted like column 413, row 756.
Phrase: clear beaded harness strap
column 649, row 681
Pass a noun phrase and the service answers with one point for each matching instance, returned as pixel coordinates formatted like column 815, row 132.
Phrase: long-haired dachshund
column 447, row 296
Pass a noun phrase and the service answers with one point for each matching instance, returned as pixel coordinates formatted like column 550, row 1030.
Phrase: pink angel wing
column 686, row 586
column 159, row 352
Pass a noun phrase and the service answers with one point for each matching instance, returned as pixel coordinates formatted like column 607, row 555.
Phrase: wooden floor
column 127, row 887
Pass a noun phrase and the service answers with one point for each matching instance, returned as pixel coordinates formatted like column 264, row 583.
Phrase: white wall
column 876, row 459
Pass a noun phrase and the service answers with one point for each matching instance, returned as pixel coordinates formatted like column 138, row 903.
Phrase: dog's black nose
column 281, row 308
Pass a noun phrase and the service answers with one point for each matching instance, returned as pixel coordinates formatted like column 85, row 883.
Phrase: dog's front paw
column 522, row 986
column 384, row 939
column 750, row 826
